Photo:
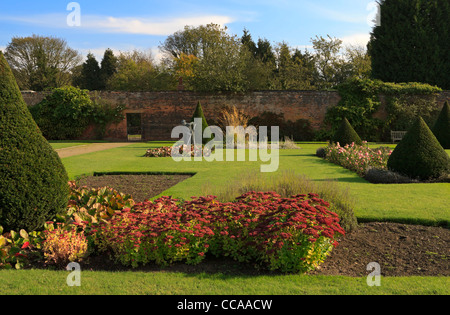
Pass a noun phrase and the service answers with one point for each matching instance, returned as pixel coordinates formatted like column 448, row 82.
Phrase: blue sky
column 138, row 24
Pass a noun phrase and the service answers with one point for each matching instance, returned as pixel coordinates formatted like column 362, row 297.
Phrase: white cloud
column 125, row 25
column 150, row 26
column 359, row 39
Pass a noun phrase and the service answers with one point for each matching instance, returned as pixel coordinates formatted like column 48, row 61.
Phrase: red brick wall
column 162, row 111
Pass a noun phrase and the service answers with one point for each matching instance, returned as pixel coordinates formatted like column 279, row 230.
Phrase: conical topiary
column 345, row 134
column 33, row 181
column 199, row 114
column 419, row 154
column 442, row 127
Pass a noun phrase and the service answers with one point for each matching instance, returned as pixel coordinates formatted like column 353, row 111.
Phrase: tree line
column 411, row 44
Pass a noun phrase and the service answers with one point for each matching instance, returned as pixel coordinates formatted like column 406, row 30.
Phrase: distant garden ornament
column 191, row 127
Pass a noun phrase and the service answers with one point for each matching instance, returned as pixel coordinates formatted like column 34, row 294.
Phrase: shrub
column 419, row 154
column 156, row 231
column 385, row 176
column 358, row 158
column 33, row 181
column 93, row 205
column 321, row 152
column 17, row 248
column 442, row 127
column 288, row 234
column 198, row 113
column 64, row 114
column 299, row 130
column 345, row 134
column 288, row 183
column 360, row 100
column 62, row 245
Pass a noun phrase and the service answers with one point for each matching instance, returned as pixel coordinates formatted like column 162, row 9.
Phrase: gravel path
column 89, row 148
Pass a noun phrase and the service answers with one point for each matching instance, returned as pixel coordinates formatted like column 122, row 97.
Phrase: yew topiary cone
column 442, row 127
column 199, row 114
column 346, row 134
column 33, row 181
column 419, row 154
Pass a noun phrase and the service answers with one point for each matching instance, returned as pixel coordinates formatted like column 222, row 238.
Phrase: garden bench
column 397, row 135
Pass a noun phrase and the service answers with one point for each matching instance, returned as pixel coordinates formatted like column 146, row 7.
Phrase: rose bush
column 358, row 158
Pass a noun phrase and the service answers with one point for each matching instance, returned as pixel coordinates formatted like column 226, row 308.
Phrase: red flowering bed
column 288, row 234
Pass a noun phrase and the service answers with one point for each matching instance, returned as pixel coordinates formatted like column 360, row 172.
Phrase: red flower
column 25, row 245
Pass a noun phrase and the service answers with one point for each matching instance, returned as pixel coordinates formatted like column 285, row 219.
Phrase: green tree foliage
column 404, row 102
column 39, row 62
column 221, row 59
column 66, row 113
column 441, row 128
column 292, row 72
column 136, row 71
column 345, row 134
column 412, row 42
column 33, row 181
column 419, row 154
column 108, row 68
column 90, row 74
column 329, row 62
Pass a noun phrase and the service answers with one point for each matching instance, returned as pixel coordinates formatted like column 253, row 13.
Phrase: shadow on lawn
column 211, row 266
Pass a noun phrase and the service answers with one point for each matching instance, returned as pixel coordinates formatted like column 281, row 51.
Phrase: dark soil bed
column 140, row 187
column 399, row 249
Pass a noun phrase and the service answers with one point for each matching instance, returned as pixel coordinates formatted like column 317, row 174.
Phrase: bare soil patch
column 399, row 249
column 140, row 187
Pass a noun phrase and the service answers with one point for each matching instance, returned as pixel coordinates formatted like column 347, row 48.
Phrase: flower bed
column 358, row 158
column 167, row 151
column 288, row 234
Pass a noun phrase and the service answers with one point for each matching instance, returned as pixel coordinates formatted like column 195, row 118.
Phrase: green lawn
column 411, row 203
column 414, row 203
column 38, row 282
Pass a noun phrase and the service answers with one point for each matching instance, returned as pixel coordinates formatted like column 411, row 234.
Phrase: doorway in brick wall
column 134, row 126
